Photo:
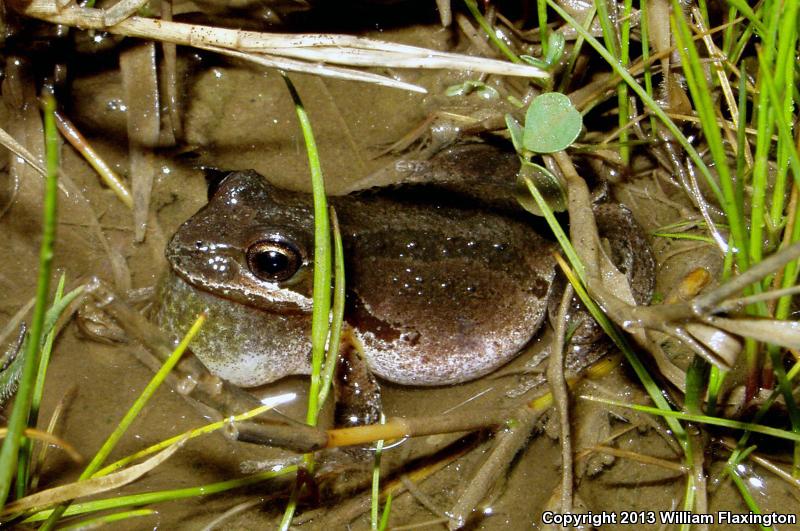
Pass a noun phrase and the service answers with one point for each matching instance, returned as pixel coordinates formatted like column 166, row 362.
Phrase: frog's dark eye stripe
column 273, row 261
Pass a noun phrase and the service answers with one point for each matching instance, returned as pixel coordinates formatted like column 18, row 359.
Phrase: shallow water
column 237, row 116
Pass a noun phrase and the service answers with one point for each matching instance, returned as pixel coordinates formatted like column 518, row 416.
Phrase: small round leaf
column 552, row 123
column 548, row 184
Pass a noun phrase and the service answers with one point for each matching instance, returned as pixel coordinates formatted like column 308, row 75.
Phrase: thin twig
column 558, row 387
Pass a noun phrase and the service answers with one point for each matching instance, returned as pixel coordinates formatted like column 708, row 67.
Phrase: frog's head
column 252, row 243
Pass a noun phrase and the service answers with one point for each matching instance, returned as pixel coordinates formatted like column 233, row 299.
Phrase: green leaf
column 548, row 184
column 555, row 48
column 552, row 123
column 515, row 130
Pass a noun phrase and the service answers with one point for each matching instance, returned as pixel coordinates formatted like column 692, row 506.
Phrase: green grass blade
column 716, row 378
column 694, row 385
column 502, row 46
column 166, row 495
column 774, row 352
column 623, row 101
column 9, row 378
column 765, row 115
column 60, row 303
column 320, row 312
column 143, row 398
column 790, row 273
column 685, row 236
column 785, row 65
column 21, row 410
column 729, row 34
column 746, row 496
column 741, row 44
column 552, row 222
column 609, row 34
column 541, row 12
column 644, row 28
column 741, row 140
column 92, row 523
column 576, row 51
column 619, row 50
column 690, row 490
column 131, row 415
column 744, row 8
column 701, row 94
column 387, row 509
column 58, row 307
column 784, row 132
column 26, row 450
column 337, row 319
column 191, row 434
column 376, row 483
column 291, row 506
column 705, row 419
column 703, row 7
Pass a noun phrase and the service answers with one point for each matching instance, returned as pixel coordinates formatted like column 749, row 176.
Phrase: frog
column 443, row 286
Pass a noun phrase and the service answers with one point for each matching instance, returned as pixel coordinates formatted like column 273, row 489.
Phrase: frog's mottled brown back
column 442, row 291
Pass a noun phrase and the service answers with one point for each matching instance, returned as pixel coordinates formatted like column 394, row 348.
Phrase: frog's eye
column 273, row 261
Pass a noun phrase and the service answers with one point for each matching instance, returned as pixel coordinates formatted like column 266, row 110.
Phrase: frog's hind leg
column 625, row 243
column 358, row 395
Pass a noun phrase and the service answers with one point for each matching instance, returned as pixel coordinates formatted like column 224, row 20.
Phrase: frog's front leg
column 358, row 395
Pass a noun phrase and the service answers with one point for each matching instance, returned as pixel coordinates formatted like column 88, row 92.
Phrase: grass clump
column 21, row 412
